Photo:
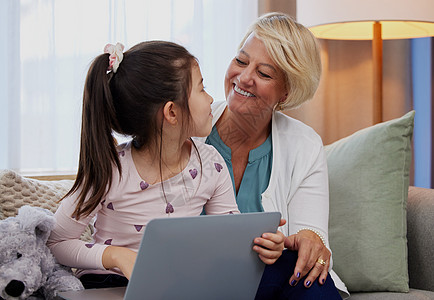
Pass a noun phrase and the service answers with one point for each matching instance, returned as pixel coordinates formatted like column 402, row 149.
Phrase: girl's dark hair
column 150, row 74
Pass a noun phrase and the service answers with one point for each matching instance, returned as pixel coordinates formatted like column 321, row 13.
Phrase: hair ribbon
column 116, row 55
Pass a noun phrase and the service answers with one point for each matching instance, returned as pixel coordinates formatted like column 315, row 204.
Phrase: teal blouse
column 256, row 176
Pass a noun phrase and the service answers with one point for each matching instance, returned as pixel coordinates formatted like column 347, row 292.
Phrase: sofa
column 380, row 227
column 16, row 190
column 420, row 243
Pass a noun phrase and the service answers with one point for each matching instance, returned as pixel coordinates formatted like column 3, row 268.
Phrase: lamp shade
column 354, row 19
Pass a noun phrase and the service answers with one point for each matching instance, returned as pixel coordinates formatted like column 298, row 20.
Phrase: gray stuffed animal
column 28, row 270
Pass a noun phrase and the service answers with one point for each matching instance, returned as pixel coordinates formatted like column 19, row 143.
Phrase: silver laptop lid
column 204, row 257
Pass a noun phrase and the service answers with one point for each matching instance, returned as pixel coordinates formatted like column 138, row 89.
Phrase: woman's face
column 253, row 82
column 199, row 104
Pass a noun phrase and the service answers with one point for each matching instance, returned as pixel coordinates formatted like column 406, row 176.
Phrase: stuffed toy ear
column 36, row 219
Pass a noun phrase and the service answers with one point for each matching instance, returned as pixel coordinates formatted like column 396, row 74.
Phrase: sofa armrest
column 420, row 236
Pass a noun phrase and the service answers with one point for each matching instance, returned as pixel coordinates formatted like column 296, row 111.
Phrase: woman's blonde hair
column 296, row 52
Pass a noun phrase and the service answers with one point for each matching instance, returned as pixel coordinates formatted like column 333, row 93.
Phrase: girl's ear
column 171, row 113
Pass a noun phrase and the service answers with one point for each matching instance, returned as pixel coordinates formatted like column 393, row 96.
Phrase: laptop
column 203, row 257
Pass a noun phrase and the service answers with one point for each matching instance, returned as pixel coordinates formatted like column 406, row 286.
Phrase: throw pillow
column 369, row 179
column 17, row 190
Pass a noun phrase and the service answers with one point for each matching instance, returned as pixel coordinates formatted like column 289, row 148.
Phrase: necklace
column 193, row 172
column 169, row 208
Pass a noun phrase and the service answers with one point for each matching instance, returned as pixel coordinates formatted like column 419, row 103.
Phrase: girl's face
column 199, row 104
column 253, row 82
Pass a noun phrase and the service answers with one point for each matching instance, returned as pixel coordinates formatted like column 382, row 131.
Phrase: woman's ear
column 171, row 113
column 279, row 104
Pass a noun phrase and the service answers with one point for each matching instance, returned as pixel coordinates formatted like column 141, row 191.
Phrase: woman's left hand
column 270, row 245
column 313, row 257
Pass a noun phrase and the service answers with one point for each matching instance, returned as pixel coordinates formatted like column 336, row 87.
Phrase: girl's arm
column 270, row 245
column 121, row 258
column 65, row 242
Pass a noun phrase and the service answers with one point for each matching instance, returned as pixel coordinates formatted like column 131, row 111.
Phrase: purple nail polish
column 293, row 282
column 308, row 283
column 323, row 280
column 298, row 275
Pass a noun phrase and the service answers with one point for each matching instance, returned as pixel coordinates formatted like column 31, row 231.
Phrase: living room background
column 48, row 45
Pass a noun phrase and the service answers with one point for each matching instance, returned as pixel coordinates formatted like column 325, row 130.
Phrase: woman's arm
column 308, row 211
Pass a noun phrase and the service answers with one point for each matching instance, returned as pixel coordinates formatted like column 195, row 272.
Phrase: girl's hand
column 313, row 257
column 119, row 257
column 270, row 245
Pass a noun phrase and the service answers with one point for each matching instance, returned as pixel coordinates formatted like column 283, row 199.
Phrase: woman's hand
column 313, row 257
column 270, row 245
column 119, row 257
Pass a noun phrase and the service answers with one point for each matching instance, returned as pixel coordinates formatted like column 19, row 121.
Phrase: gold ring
column 321, row 262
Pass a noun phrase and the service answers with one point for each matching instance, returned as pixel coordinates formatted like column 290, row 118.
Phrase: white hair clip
column 116, row 55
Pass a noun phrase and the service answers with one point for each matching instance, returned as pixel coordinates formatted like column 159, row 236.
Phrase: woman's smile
column 242, row 92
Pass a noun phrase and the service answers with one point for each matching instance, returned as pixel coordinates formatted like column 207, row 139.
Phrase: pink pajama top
column 131, row 203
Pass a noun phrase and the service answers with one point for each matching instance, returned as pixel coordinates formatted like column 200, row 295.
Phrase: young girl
column 154, row 93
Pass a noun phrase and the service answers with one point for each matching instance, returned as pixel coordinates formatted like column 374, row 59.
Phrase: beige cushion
column 16, row 191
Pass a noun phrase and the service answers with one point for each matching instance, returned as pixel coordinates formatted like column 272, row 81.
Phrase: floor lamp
column 374, row 20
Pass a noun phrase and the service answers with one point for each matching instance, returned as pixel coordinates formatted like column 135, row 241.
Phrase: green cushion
column 369, row 179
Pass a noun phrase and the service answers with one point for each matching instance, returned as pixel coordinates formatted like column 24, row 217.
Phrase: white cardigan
column 298, row 186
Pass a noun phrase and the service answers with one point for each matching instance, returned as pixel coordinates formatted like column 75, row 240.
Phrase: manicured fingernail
column 308, row 283
column 298, row 275
column 323, row 280
column 293, row 282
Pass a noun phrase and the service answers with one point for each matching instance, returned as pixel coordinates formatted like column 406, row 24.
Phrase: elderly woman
column 278, row 163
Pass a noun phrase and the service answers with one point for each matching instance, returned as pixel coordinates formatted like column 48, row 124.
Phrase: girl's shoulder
column 206, row 152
